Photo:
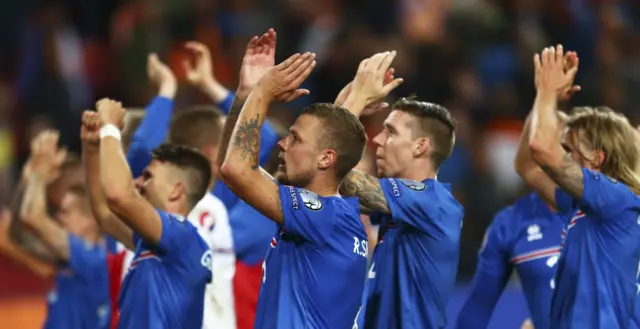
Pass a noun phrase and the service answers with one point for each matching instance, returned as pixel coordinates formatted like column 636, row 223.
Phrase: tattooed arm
column 240, row 169
column 368, row 189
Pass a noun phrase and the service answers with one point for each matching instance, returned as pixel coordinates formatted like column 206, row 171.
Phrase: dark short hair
column 342, row 132
column 191, row 163
column 434, row 122
column 197, row 127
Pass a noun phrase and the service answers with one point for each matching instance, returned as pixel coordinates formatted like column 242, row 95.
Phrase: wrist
column 214, row 90
column 168, row 89
column 110, row 130
column 355, row 104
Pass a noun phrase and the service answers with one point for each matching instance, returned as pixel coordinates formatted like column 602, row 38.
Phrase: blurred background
column 473, row 56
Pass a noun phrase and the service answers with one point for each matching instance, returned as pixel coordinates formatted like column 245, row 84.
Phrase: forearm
column 34, row 214
column 220, row 95
column 544, row 120
column 115, row 175
column 229, row 124
column 244, row 153
column 107, row 221
column 355, row 104
column 151, row 133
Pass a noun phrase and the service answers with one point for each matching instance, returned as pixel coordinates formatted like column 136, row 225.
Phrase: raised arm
column 258, row 59
column 115, row 177
column 46, row 161
column 155, row 124
column 552, row 80
column 240, row 169
column 108, row 221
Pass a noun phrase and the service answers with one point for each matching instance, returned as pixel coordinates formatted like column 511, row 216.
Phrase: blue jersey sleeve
column 88, row 260
column 492, row 274
column 305, row 214
column 418, row 204
column 151, row 133
column 485, row 293
column 604, row 196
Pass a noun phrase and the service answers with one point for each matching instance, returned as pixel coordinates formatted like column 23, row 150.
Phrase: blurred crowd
column 473, row 56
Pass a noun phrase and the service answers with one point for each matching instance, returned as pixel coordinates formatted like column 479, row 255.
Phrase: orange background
column 22, row 302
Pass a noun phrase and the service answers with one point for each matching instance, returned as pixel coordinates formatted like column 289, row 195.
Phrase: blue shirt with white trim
column 165, row 284
column 596, row 281
column 525, row 236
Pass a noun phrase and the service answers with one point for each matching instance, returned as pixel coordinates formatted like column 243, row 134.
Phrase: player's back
column 601, row 249
column 314, row 271
column 414, row 266
column 165, row 284
column 211, row 219
column 80, row 297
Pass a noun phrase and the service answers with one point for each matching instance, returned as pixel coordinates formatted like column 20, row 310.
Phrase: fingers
column 392, row 85
column 537, row 64
column 288, row 67
column 272, row 41
column 251, row 47
column 559, row 56
column 197, row 48
column 303, row 70
column 387, row 60
column 288, row 62
column 297, row 94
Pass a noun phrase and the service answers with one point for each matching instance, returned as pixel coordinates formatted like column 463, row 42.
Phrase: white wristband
column 110, row 130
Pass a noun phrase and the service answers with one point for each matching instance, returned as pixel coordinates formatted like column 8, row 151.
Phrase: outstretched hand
column 555, row 72
column 200, row 72
column 374, row 80
column 281, row 82
column 373, row 107
column 259, row 58
column 90, row 128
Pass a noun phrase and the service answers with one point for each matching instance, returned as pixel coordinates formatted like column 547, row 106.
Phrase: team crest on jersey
column 412, row 184
column 310, row 199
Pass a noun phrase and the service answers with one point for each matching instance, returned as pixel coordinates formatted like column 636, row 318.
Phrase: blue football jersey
column 314, row 270
column 414, row 265
column 80, row 297
column 165, row 284
column 525, row 236
column 596, row 280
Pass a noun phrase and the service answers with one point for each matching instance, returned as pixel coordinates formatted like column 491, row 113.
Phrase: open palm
column 258, row 60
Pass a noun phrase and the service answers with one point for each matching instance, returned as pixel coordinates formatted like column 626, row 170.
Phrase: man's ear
column 327, row 158
column 421, row 146
column 178, row 190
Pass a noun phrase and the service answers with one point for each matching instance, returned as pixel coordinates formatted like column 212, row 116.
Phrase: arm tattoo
column 229, row 123
column 568, row 175
column 368, row 189
column 247, row 140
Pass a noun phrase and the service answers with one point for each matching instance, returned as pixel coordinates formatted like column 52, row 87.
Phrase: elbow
column 540, row 151
column 116, row 197
column 230, row 172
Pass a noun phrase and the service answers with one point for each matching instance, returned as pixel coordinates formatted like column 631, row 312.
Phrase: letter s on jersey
column 360, row 247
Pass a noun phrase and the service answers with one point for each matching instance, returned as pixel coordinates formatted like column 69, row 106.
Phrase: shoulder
column 303, row 199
